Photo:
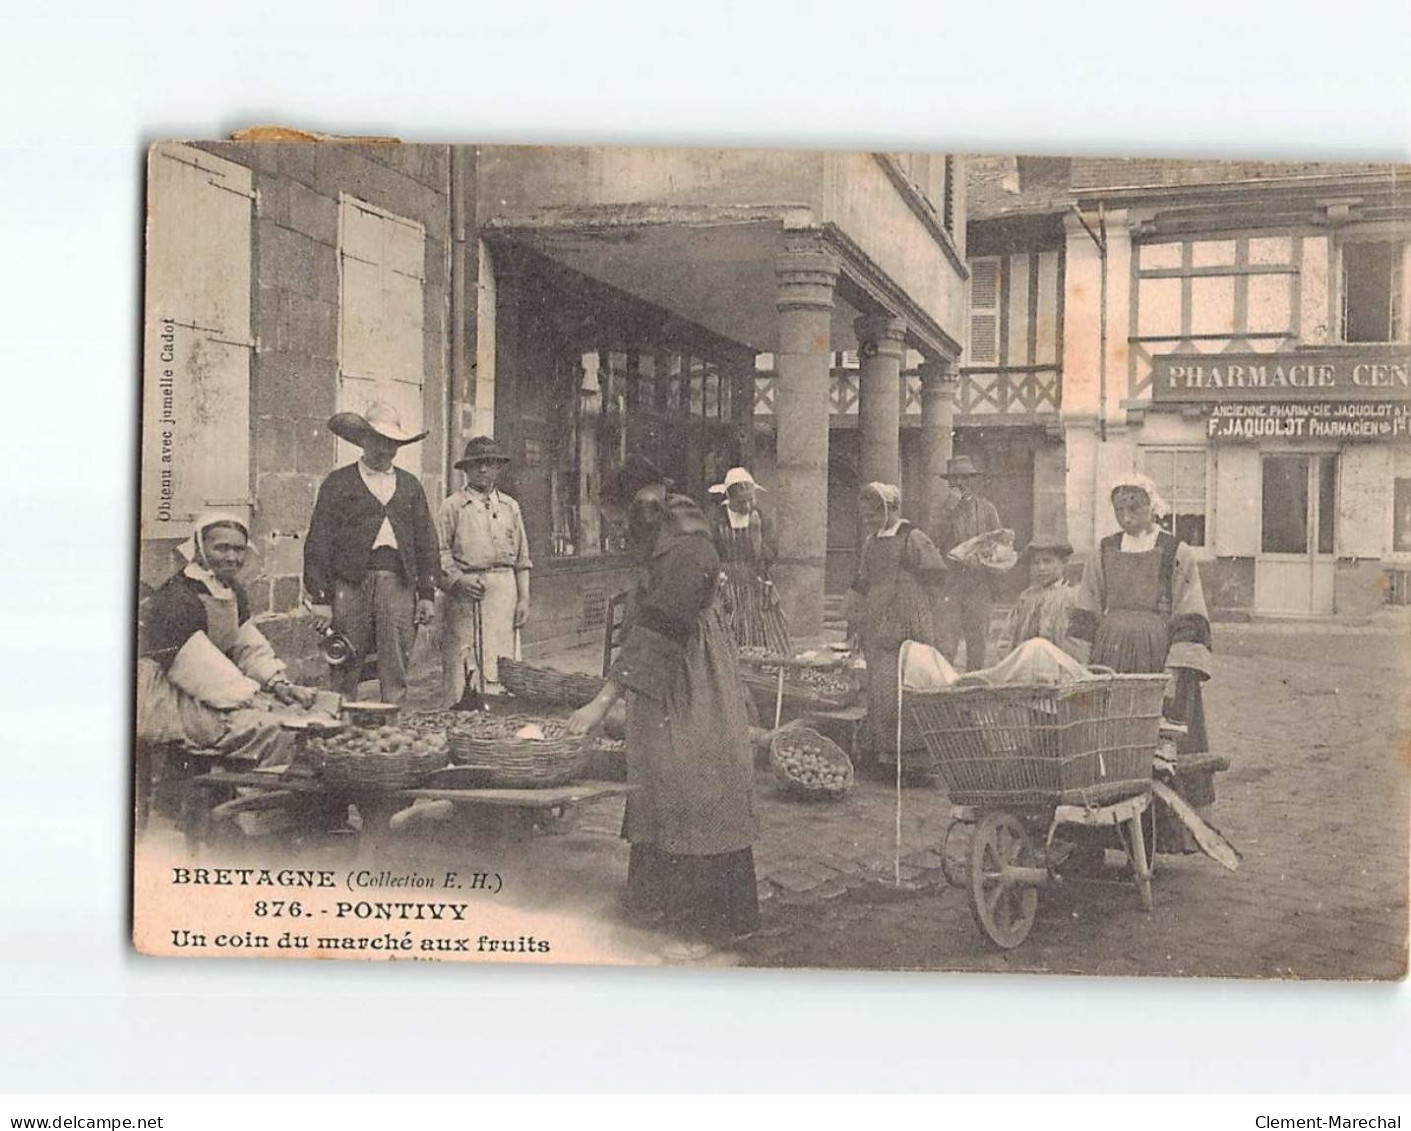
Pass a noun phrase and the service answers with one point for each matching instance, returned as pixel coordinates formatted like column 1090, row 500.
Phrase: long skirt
column 692, row 818
column 753, row 612
column 705, row 897
column 1135, row 641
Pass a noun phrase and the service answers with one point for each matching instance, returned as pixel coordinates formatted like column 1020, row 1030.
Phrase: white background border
column 86, row 86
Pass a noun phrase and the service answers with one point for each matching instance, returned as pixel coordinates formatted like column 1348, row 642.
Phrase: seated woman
column 205, row 674
column 1141, row 607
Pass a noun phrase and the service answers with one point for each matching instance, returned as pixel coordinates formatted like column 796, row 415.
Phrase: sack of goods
column 993, row 550
column 1036, row 661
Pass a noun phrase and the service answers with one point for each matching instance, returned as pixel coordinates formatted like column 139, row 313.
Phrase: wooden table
column 513, row 809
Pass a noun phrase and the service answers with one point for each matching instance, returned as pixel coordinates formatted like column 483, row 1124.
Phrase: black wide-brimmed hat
column 623, row 484
column 961, row 466
column 378, row 419
column 481, row 449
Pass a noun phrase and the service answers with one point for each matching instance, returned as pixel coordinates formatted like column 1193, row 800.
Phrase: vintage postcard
column 774, row 558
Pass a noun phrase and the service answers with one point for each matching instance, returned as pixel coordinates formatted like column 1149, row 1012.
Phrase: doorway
column 1293, row 574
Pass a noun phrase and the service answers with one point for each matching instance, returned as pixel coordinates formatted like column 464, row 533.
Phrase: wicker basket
column 1089, row 742
column 488, row 742
column 361, row 770
column 790, row 739
column 805, row 689
column 526, row 681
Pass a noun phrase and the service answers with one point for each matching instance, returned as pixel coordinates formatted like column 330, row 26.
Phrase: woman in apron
column 745, row 542
column 1142, row 608
column 205, row 674
column 890, row 601
column 691, row 819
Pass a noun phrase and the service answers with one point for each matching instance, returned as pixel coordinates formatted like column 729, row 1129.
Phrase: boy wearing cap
column 371, row 556
column 484, row 571
column 1043, row 608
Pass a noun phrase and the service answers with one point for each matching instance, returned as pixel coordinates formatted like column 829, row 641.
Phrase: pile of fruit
column 390, row 755
column 804, row 759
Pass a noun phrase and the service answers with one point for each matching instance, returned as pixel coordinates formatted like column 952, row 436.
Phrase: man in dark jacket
column 372, row 557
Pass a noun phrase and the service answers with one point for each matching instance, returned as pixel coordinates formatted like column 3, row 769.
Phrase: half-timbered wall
column 1014, row 363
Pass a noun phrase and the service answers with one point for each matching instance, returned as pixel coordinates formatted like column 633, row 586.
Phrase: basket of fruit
column 546, row 685
column 825, row 684
column 518, row 752
column 808, row 764
column 386, row 757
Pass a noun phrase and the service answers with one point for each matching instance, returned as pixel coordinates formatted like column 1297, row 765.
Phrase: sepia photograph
column 858, row 560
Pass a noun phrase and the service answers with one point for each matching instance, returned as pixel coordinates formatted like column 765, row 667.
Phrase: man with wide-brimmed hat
column 371, row 558
column 484, row 572
column 965, row 605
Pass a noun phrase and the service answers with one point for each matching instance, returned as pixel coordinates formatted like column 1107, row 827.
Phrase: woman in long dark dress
column 691, row 819
column 1142, row 608
column 890, row 602
column 744, row 539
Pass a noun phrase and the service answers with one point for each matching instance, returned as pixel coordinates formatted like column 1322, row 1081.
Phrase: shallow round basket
column 526, row 681
column 376, row 770
column 489, row 743
column 831, row 783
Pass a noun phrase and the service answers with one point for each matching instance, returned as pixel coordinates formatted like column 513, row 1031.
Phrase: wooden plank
column 548, row 798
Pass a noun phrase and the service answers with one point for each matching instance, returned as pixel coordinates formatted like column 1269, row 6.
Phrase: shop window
column 1298, row 504
column 1179, row 474
column 984, row 311
column 1373, row 292
column 672, row 408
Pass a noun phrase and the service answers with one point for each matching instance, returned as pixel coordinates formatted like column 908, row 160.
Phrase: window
column 1299, row 494
column 984, row 311
column 1179, row 474
column 674, row 408
column 381, row 261
column 1373, row 292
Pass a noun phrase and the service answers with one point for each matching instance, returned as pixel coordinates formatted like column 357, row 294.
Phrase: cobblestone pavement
column 1317, row 799
column 1315, row 726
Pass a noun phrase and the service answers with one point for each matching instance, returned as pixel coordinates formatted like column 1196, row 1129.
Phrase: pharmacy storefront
column 1308, row 472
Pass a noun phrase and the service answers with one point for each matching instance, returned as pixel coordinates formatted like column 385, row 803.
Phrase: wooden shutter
column 196, row 364
column 984, row 312
column 382, row 269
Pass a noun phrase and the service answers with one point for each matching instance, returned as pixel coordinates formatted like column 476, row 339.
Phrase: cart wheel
column 1003, row 909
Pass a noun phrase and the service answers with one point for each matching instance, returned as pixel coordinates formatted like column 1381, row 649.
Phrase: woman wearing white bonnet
column 201, row 659
column 1141, row 607
column 744, row 539
column 890, row 602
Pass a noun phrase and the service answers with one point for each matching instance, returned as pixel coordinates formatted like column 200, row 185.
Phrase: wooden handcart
column 1022, row 762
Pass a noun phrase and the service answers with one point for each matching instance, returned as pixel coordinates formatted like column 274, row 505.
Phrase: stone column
column 939, row 383
column 880, row 341
column 806, row 275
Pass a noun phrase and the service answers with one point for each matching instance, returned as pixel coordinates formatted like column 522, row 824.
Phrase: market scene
column 790, row 559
